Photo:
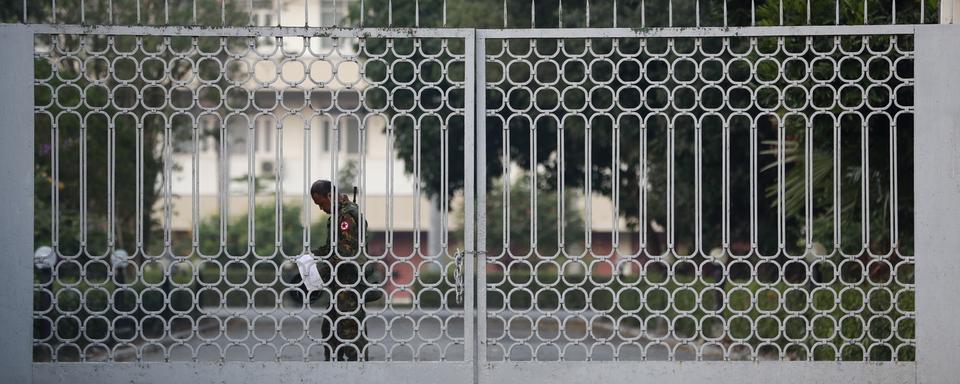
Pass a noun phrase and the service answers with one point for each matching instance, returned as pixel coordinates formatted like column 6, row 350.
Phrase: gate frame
column 937, row 51
column 16, row 204
column 934, row 198
column 16, row 163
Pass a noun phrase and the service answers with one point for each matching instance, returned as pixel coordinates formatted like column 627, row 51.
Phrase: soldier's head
column 322, row 191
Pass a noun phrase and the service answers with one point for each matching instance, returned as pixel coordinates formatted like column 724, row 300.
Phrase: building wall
column 308, row 141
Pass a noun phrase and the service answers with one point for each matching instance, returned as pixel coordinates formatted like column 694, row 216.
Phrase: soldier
column 343, row 325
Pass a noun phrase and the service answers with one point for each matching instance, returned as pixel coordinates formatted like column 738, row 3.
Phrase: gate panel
column 677, row 195
column 696, row 195
column 174, row 166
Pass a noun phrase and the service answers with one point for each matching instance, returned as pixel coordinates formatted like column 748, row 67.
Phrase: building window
column 237, row 137
column 348, row 135
column 263, row 12
column 325, row 135
column 352, row 130
column 329, row 13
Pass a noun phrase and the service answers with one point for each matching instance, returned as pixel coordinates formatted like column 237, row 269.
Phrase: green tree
column 520, row 218
column 485, row 14
column 80, row 107
column 102, row 131
column 509, row 139
column 265, row 234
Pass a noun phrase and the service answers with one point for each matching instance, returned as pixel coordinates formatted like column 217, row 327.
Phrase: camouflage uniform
column 346, row 314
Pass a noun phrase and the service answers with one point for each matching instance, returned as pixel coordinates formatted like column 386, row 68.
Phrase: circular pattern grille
column 136, row 134
column 716, row 198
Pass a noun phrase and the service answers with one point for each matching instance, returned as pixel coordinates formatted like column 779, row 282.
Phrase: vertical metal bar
column 251, row 186
column 418, row 182
column 949, row 11
column 864, row 11
column 724, row 13
column 362, row 127
column 696, row 12
column 54, row 190
column 277, row 11
column 333, row 234
column 864, row 181
column 698, row 186
column 391, row 140
column 643, row 14
column 533, row 187
column 480, row 175
column 644, row 179
column 111, row 183
column 781, row 186
column 224, row 180
column 781, row 12
column 83, row 184
column 533, row 13
column 278, row 182
column 167, row 184
column 504, row 13
column 669, row 14
column 894, row 183
column 893, row 10
column 937, row 194
column 506, row 179
column 560, row 14
column 808, row 181
column 836, row 9
column 561, row 182
column 587, row 182
column 836, row 181
column 753, row 183
column 671, row 188
column 725, row 186
column 141, row 246
column 588, row 14
column 615, row 13
column 194, row 185
column 469, row 144
column 16, row 202
column 615, row 167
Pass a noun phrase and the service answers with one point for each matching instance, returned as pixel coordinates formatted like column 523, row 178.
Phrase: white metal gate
column 173, row 92
column 685, row 129
column 610, row 203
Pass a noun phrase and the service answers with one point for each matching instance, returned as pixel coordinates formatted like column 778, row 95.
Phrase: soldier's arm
column 348, row 243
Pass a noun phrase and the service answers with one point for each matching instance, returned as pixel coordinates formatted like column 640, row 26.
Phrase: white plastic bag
column 309, row 273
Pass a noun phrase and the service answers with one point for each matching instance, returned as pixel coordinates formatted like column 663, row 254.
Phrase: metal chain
column 458, row 275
